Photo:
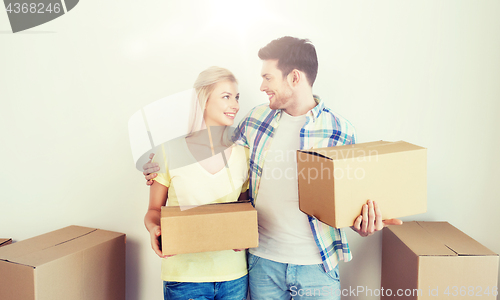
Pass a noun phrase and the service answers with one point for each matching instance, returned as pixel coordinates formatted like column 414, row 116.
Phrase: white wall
column 427, row 72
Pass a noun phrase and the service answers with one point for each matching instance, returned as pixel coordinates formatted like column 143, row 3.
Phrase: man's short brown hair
column 292, row 53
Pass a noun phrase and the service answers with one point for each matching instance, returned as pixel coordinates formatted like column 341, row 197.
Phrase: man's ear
column 295, row 77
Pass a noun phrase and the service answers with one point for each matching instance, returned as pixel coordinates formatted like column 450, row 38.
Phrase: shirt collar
column 318, row 109
column 314, row 112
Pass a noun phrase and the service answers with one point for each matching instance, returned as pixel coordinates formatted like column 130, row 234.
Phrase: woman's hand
column 155, row 234
column 157, row 198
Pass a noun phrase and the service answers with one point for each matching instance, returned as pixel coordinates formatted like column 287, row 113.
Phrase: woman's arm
column 157, row 198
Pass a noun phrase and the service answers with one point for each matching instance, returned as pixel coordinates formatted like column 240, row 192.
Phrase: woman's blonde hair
column 206, row 81
column 204, row 86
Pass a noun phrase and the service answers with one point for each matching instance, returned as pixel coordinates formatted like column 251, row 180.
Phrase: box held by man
column 335, row 182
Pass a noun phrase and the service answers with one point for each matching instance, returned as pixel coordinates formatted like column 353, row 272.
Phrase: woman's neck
column 212, row 136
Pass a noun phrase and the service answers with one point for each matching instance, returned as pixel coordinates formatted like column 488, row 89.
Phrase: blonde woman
column 216, row 172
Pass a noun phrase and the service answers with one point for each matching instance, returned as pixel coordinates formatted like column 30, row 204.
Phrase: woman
column 219, row 172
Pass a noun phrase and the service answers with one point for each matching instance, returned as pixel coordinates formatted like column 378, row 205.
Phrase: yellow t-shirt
column 190, row 184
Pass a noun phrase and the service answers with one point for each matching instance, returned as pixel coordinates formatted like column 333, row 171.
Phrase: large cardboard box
column 76, row 263
column 434, row 260
column 335, row 182
column 211, row 227
column 5, row 242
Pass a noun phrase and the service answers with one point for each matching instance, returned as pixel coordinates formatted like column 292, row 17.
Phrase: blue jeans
column 270, row 280
column 228, row 290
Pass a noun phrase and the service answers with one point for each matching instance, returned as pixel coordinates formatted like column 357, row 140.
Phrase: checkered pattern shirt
column 322, row 128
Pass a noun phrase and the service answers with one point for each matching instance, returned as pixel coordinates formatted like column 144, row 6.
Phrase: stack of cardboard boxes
column 421, row 260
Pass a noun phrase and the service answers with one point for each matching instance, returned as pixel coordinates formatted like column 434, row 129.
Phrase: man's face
column 275, row 86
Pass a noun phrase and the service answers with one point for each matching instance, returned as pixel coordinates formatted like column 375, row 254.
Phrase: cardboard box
column 434, row 260
column 5, row 242
column 335, row 182
column 211, row 227
column 74, row 263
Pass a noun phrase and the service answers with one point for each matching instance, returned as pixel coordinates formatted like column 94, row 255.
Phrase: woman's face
column 222, row 105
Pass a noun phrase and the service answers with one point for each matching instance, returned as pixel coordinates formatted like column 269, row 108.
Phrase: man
column 297, row 255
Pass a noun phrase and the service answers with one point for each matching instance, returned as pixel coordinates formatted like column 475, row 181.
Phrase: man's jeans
column 225, row 290
column 270, row 280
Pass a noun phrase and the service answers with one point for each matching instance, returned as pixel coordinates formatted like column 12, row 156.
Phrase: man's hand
column 370, row 220
column 150, row 170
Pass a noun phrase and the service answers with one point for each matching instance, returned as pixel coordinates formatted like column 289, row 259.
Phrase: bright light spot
column 238, row 15
column 135, row 48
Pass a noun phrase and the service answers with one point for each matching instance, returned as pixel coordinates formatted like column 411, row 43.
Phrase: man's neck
column 301, row 104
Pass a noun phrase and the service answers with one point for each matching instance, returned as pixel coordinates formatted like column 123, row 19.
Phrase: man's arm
column 370, row 220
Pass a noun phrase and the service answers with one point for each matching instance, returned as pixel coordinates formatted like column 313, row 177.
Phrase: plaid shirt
column 322, row 129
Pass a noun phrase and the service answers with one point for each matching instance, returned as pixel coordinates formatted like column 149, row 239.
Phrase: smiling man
column 297, row 255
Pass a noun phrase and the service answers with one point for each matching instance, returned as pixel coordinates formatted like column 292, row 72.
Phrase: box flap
column 46, row 247
column 17, row 282
column 438, row 239
column 342, row 152
column 363, row 150
column 419, row 240
column 5, row 242
column 456, row 240
column 174, row 211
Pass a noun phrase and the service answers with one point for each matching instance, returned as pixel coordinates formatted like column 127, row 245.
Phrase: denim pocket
column 333, row 274
column 252, row 260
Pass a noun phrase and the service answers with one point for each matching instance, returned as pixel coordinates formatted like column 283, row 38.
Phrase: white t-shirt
column 284, row 232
